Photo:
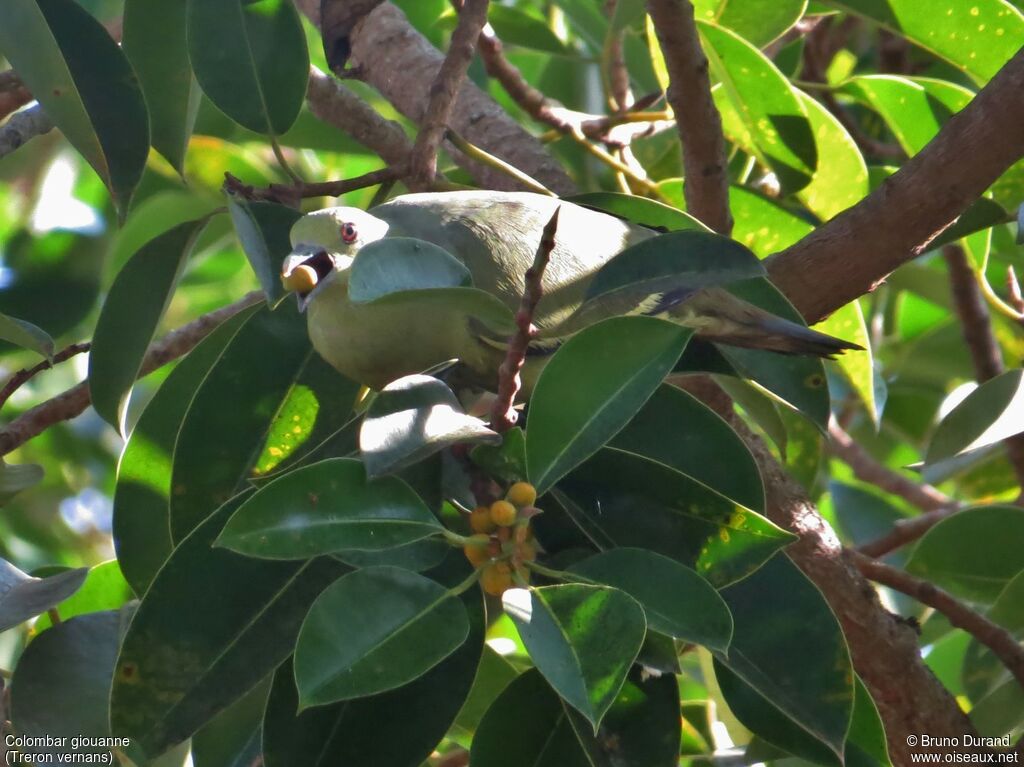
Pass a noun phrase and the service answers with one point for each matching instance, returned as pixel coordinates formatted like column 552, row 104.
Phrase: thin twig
column 17, row 380
column 700, row 126
column 990, row 634
column 444, row 91
column 613, row 67
column 290, row 194
column 503, row 414
column 478, row 154
column 73, row 401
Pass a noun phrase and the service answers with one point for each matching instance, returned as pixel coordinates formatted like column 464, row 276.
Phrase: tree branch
column 20, row 378
column 990, row 634
column 443, row 92
column 73, row 401
column 22, row 127
column 851, row 254
column 13, row 93
column 705, row 171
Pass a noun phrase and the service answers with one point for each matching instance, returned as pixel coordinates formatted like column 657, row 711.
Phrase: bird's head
column 324, row 244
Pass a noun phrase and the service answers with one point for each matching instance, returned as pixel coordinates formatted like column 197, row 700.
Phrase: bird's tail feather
column 778, row 335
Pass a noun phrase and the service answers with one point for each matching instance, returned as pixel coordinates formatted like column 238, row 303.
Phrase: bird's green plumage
column 496, row 236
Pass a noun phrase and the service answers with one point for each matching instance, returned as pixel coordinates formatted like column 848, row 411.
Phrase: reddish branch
column 20, row 378
column 503, row 414
column 851, row 254
column 990, row 634
column 976, row 326
column 444, row 91
column 706, row 185
column 72, row 402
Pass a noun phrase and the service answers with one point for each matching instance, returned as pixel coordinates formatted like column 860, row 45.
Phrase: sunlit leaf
column 989, row 414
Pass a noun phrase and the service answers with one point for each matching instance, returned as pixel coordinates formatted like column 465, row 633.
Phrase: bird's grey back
column 496, row 234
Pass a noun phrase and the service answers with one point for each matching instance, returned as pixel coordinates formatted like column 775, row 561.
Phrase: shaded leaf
column 374, row 630
column 26, row 335
column 847, row 322
column 104, row 588
column 234, row 737
column 262, row 229
column 23, row 597
column 14, row 478
column 989, row 414
column 505, row 462
column 639, row 210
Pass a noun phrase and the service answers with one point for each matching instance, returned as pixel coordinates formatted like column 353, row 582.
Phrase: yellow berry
column 503, row 513
column 477, row 549
column 496, row 577
column 301, row 279
column 521, row 494
column 480, row 520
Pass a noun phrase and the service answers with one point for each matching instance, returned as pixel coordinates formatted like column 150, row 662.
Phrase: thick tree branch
column 72, row 402
column 851, row 254
column 705, row 171
column 22, row 127
column 443, row 92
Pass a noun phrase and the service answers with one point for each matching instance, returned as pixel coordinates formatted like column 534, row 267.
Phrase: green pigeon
column 496, row 236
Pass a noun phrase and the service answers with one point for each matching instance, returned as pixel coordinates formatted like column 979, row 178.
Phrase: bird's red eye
column 349, row 233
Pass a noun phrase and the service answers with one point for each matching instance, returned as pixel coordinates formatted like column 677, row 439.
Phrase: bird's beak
column 303, row 269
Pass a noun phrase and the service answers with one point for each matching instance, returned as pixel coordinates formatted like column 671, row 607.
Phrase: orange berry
column 521, row 494
column 503, row 513
column 496, row 577
column 477, row 549
column 480, row 520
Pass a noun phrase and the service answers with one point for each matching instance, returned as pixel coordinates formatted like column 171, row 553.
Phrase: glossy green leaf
column 841, row 177
column 104, row 588
column 621, row 499
column 362, row 731
column 23, row 597
column 130, row 316
column 413, row 418
column 973, row 554
column 375, row 630
column 639, row 210
column 977, row 37
column 251, row 60
column 142, row 530
column 86, row 85
column 866, row 742
column 989, row 414
column 17, row 477
column 583, row 639
column 641, row 729
column 788, row 646
column 703, row 433
column 847, row 322
column 759, row 21
column 62, row 682
column 592, row 387
column 676, row 600
column 154, row 41
column 262, row 229
column 26, row 335
column 234, row 737
column 326, row 507
column 396, row 264
column 270, row 399
column 211, row 626
column 505, row 462
column 760, row 110
column 911, row 112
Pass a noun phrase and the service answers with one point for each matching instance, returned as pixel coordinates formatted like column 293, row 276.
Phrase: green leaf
column 16, row 477
column 211, row 626
column 759, row 21
column 362, row 731
column 326, row 507
column 505, row 462
column 374, row 630
column 62, row 682
column 733, row 473
column 841, row 177
column 397, row 264
column 270, row 399
column 23, row 597
column 262, row 229
column 583, row 639
column 760, row 110
column 859, row 370
column 84, row 82
column 592, row 387
column 515, row 27
column 621, row 499
column 641, row 729
column 639, row 210
column 976, row 37
column 154, row 41
column 130, row 316
column 251, row 60
column 989, row 414
column 676, row 600
column 104, row 588
column 866, row 742
column 911, row 112
column 788, row 646
column 142, row 530
column 493, row 675
column 413, row 418
column 234, row 737
column 26, row 335
column 1008, row 610
column 973, row 554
